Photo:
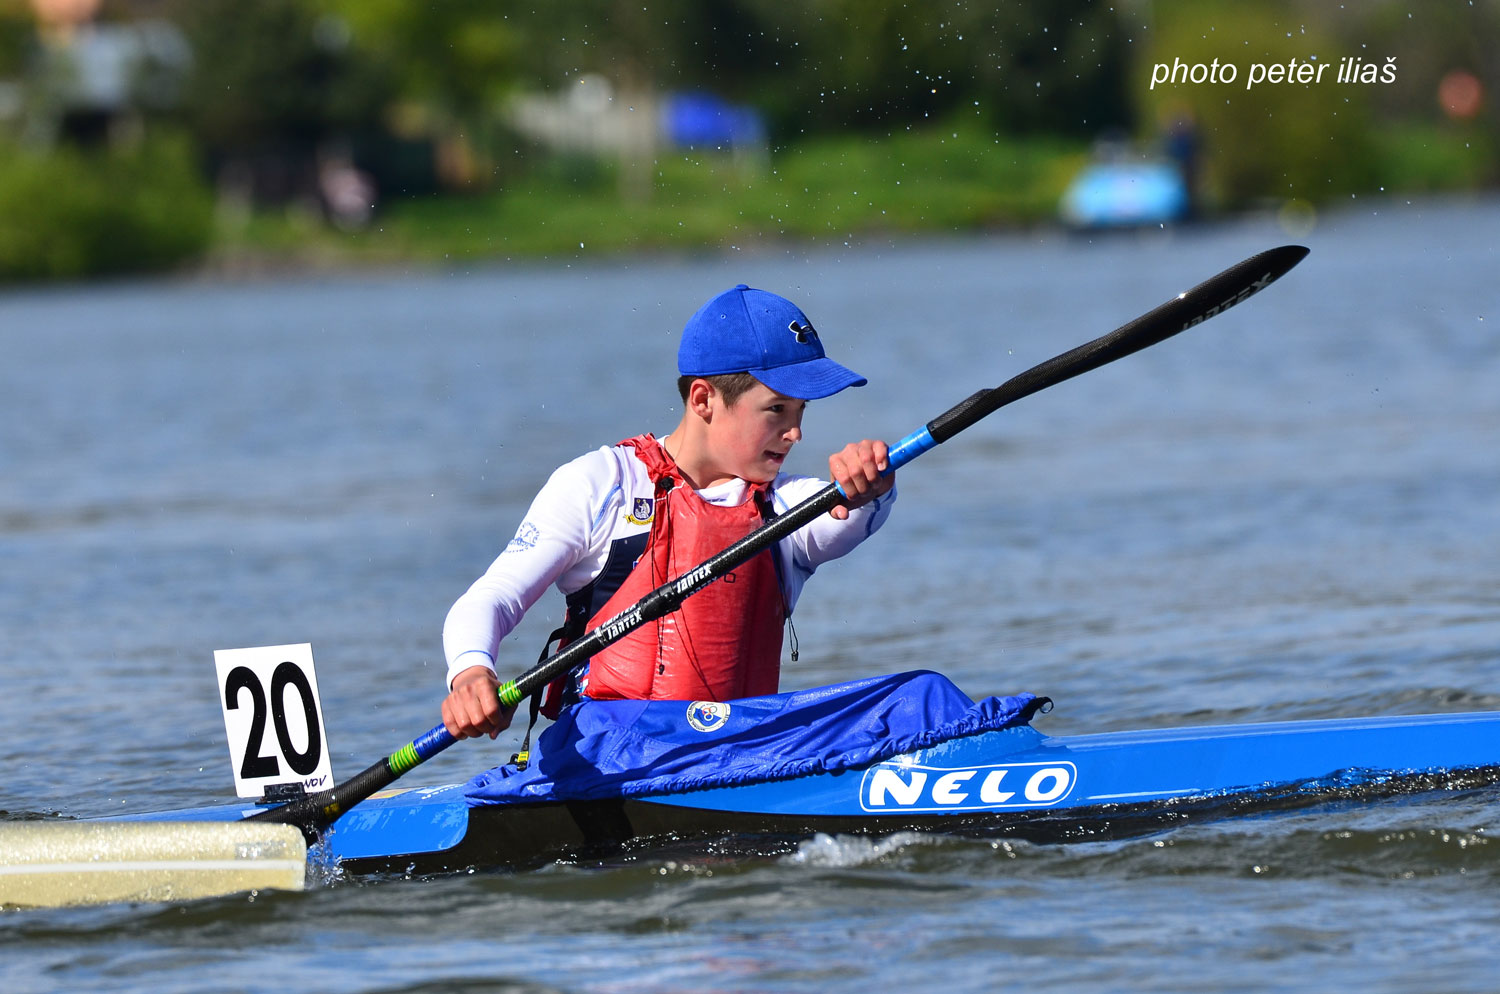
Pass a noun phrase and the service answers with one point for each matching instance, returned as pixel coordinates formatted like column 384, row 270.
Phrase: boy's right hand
column 857, row 468
column 472, row 708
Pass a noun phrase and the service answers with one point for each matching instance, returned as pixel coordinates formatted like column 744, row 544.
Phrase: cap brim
column 811, row 380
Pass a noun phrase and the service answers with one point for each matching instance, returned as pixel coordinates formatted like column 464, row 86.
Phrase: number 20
column 288, row 674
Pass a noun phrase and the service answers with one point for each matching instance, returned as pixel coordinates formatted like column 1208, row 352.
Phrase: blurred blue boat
column 1126, row 195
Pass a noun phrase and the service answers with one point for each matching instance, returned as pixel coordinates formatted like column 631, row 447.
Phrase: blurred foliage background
column 144, row 135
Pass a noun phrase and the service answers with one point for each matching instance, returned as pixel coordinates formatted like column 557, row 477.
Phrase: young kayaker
column 612, row 525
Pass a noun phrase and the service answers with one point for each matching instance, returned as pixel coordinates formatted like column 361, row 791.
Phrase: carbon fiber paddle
column 1213, row 296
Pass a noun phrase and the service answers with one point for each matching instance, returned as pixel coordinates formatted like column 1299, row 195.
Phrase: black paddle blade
column 1214, row 295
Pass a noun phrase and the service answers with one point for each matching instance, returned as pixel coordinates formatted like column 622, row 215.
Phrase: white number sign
column 273, row 718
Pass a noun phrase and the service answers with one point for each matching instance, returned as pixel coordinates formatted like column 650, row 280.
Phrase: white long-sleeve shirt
column 592, row 502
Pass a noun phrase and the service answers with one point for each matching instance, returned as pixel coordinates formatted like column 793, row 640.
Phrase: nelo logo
column 894, row 786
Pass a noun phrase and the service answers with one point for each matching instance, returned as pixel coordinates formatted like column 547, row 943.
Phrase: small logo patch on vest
column 642, row 511
column 707, row 716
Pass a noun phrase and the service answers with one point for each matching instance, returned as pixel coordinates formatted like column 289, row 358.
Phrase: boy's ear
column 700, row 392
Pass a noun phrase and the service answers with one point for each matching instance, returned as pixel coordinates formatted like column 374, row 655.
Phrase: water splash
column 842, row 851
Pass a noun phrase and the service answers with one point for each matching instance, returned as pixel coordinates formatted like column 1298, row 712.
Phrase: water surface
column 1288, row 512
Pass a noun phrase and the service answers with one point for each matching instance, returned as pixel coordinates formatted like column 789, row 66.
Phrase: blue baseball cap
column 752, row 331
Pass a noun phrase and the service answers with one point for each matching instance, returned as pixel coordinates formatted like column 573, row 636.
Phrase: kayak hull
column 1014, row 782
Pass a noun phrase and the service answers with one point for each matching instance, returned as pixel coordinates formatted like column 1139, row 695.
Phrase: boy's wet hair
column 729, row 385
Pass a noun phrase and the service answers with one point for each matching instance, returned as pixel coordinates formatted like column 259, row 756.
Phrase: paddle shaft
column 1209, row 298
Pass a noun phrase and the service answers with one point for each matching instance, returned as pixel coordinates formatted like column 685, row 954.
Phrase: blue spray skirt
column 601, row 749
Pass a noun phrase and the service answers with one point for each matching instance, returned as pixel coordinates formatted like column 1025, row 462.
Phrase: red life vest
column 724, row 642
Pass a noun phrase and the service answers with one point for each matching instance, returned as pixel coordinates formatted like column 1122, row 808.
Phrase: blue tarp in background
column 601, row 749
column 704, row 120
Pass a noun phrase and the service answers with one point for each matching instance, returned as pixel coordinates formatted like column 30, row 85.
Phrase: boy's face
column 750, row 438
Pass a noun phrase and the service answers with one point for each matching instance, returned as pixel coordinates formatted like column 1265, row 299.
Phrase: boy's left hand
column 856, row 468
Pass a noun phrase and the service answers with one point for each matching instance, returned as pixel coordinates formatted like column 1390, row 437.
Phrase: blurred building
column 90, row 82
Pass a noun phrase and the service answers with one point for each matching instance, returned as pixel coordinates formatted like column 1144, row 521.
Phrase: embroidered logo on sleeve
column 526, row 538
column 642, row 511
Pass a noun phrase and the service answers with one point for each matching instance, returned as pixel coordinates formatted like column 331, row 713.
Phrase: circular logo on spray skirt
column 707, row 716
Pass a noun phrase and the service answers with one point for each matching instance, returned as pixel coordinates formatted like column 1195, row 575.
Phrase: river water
column 1289, row 512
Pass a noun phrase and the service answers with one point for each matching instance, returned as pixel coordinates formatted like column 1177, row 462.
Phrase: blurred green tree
column 17, row 35
column 1270, row 143
column 826, row 65
column 1055, row 68
column 457, row 58
column 70, row 213
column 449, row 67
column 274, row 82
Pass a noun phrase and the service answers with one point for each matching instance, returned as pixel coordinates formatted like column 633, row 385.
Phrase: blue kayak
column 995, row 775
